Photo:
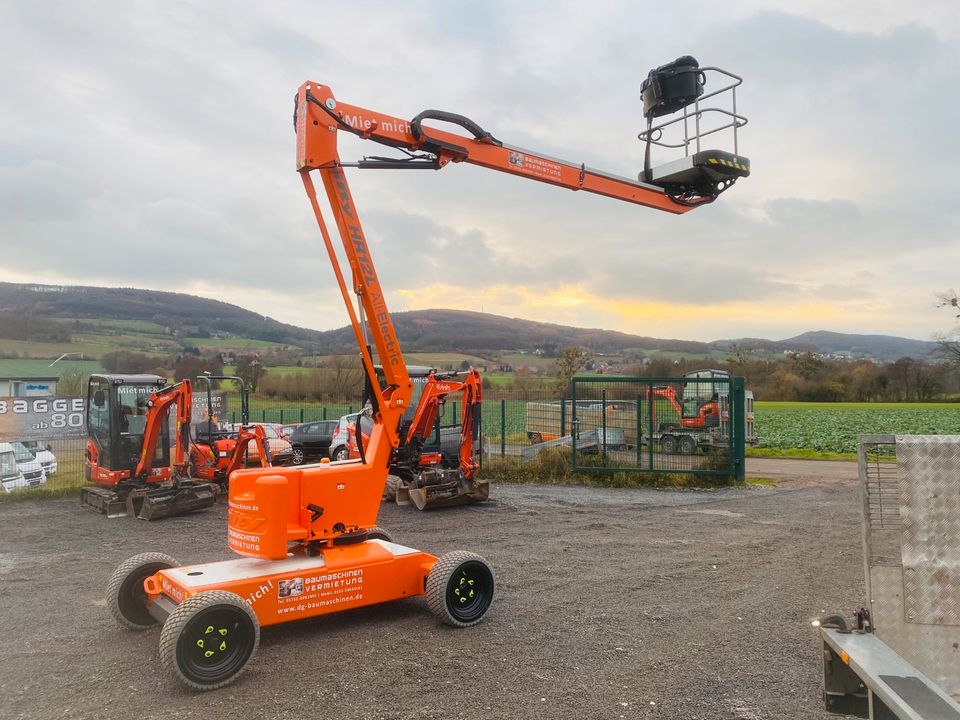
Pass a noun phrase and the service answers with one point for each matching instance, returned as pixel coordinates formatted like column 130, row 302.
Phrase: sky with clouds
column 149, row 144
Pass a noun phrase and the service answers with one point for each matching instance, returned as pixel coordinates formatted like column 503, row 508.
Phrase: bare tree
column 950, row 342
column 570, row 361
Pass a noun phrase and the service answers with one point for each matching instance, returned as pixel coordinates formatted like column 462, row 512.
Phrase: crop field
column 835, row 427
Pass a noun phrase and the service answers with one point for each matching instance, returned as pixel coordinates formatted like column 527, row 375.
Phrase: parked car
column 339, row 444
column 10, row 476
column 44, row 454
column 287, row 429
column 31, row 469
column 311, row 441
column 281, row 452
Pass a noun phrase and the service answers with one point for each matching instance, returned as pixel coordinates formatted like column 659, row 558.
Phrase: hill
column 482, row 333
column 884, row 348
column 46, row 320
column 178, row 313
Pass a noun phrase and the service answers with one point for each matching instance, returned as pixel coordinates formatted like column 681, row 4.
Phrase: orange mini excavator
column 428, row 479
column 127, row 459
column 214, row 452
column 307, row 536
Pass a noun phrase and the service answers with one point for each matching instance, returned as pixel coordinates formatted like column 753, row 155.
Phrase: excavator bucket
column 443, row 489
column 181, row 498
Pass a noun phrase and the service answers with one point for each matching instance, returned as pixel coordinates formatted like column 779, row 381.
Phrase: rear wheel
column 390, row 489
column 209, row 639
column 668, row 444
column 126, row 597
column 460, row 588
column 341, row 453
column 298, row 456
column 687, row 445
column 535, row 437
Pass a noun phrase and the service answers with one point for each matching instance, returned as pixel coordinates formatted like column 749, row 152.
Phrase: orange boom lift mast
column 308, row 534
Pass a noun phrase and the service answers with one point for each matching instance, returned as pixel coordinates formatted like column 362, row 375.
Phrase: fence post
column 233, row 417
column 503, row 428
column 603, row 419
column 639, row 433
column 563, row 416
column 281, row 416
column 739, row 428
column 650, row 401
column 323, row 413
column 573, row 423
column 301, row 415
column 263, row 414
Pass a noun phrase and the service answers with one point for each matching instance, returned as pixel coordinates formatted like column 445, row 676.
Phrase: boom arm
column 319, row 116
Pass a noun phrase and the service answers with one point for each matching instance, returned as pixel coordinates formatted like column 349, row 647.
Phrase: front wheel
column 126, row 596
column 460, row 588
column 298, row 457
column 209, row 639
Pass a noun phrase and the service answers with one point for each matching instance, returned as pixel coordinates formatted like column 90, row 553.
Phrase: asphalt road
column 610, row 604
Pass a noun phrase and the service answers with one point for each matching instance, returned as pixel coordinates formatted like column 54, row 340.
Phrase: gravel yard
column 610, row 604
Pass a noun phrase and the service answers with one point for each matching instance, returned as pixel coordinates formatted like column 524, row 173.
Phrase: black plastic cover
column 671, row 87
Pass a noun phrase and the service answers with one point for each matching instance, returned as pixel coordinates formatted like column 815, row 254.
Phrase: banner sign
column 26, row 418
column 41, row 418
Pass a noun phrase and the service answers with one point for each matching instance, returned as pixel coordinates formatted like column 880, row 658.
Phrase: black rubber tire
column 391, row 487
column 535, row 437
column 126, row 597
column 298, row 456
column 341, row 453
column 668, row 444
column 217, row 614
column 686, row 445
column 378, row 533
column 452, row 572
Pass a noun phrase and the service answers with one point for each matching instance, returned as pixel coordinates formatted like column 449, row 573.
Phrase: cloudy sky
column 149, row 144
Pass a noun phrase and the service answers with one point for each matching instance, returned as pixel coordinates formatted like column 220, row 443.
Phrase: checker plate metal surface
column 928, row 470
column 932, row 649
column 908, row 490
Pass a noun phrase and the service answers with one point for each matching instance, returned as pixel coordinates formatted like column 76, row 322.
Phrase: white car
column 10, row 476
column 340, row 442
column 30, row 468
column 43, row 454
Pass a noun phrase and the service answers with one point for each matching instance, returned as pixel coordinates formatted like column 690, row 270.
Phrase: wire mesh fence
column 671, row 425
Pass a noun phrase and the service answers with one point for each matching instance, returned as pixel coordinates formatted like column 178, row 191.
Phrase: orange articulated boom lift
column 307, row 535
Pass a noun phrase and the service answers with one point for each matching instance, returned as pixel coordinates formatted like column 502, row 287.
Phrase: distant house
column 35, row 378
column 31, row 387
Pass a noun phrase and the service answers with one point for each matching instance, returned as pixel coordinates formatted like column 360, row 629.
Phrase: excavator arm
column 434, row 395
column 158, row 406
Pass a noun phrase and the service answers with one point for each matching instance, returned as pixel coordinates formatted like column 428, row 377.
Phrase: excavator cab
column 116, row 423
column 701, row 174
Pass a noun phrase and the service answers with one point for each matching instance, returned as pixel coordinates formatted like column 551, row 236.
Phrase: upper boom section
column 318, row 117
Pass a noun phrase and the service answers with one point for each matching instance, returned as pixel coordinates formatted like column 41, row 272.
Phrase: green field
column 835, row 427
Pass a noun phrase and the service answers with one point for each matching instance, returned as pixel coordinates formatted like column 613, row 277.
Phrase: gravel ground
column 610, row 604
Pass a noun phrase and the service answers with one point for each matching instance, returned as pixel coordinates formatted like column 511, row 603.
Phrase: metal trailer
column 685, row 441
column 587, row 441
column 901, row 659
